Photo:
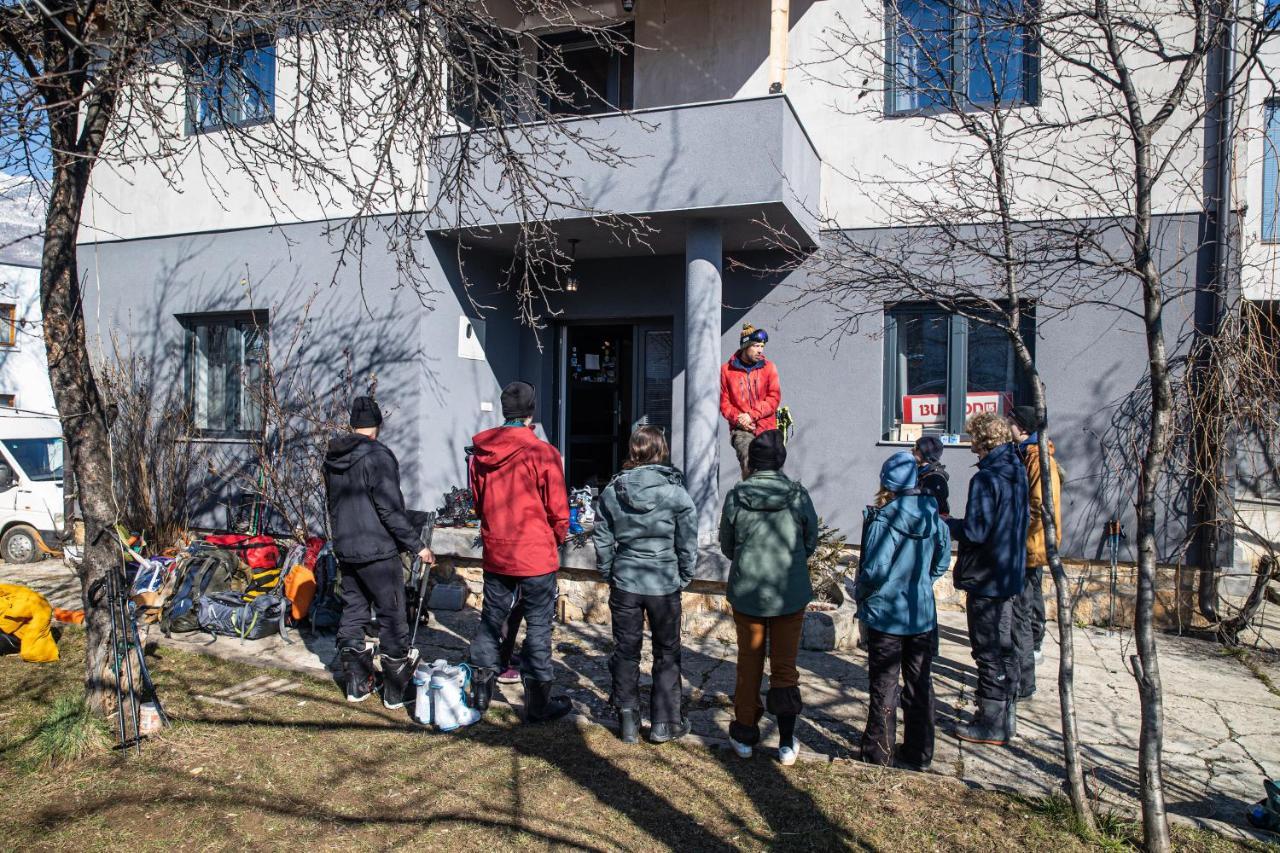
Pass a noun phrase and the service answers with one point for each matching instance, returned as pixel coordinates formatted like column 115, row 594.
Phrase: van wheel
column 19, row 545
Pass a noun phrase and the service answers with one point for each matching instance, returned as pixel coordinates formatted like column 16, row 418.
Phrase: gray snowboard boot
column 540, row 706
column 629, row 725
column 988, row 726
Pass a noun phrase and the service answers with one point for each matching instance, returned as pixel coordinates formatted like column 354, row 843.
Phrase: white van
column 31, row 452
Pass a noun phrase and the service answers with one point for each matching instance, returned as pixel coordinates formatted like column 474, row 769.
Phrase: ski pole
column 428, row 530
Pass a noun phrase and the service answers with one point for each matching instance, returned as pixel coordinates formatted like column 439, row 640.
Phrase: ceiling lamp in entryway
column 571, row 283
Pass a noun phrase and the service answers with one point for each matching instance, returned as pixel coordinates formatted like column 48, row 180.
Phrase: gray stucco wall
column 1092, row 356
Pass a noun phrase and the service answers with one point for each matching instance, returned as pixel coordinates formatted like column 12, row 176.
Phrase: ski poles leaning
column 128, row 658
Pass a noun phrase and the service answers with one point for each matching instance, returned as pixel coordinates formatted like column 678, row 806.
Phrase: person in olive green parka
column 768, row 529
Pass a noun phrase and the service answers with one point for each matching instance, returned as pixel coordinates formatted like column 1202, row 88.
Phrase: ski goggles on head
column 757, row 336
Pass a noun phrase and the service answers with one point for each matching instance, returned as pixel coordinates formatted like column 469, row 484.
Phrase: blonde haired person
column 991, row 569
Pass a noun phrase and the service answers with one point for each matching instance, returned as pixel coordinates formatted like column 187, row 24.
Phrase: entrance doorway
column 612, row 378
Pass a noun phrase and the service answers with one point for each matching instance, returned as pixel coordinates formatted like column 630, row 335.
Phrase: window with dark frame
column 8, row 324
column 981, row 53
column 941, row 367
column 231, row 86
column 484, row 69
column 223, row 372
column 591, row 73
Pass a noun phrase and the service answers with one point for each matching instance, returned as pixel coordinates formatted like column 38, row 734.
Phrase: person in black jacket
column 370, row 529
column 991, row 568
column 931, row 478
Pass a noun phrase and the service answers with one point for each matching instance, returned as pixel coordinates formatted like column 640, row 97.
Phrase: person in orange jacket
column 749, row 392
column 1028, row 609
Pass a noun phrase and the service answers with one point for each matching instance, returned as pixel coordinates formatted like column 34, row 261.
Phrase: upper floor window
column 588, row 73
column 8, row 324
column 942, row 367
column 1271, row 13
column 1271, row 172
column 484, row 68
column 222, row 372
column 231, row 85
column 970, row 54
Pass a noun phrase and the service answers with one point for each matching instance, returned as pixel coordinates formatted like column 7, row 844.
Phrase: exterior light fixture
column 571, row 284
column 628, row 6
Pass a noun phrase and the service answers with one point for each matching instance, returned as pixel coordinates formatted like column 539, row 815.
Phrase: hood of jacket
column 500, row 445
column 767, row 491
column 642, row 488
column 346, row 449
column 736, row 363
column 914, row 516
column 1003, row 462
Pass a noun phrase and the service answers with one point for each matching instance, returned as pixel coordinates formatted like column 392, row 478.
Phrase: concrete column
column 703, row 253
column 779, row 30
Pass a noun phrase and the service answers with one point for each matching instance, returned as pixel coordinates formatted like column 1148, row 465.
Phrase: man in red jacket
column 518, row 484
column 749, row 392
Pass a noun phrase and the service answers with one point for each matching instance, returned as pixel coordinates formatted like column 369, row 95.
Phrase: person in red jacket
column 749, row 392
column 517, row 481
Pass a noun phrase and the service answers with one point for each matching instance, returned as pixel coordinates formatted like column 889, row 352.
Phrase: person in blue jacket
column 991, row 569
column 906, row 548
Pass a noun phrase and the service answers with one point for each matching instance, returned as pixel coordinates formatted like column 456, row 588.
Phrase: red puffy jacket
column 518, row 484
column 754, row 390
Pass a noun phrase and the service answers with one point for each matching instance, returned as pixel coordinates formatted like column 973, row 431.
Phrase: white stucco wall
column 24, row 369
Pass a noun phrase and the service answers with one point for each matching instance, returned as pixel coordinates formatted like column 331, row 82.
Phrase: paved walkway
column 1221, row 716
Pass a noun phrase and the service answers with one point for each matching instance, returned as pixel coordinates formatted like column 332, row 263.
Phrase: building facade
column 734, row 138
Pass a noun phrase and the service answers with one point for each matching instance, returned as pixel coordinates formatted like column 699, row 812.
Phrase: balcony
column 744, row 162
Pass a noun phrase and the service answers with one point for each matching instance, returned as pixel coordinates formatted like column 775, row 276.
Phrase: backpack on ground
column 326, row 607
column 229, row 614
column 199, row 572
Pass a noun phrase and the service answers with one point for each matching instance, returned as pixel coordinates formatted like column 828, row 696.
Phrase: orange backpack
column 300, row 589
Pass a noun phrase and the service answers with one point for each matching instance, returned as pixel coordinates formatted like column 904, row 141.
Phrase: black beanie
column 767, row 452
column 1025, row 417
column 365, row 413
column 517, row 401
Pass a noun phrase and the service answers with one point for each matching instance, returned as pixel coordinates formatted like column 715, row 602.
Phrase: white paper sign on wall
column 471, row 338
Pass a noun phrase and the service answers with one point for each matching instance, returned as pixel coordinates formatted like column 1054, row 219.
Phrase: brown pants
column 741, row 439
column 782, row 634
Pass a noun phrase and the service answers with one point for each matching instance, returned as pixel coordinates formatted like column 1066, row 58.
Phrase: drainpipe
column 1212, row 280
column 779, row 26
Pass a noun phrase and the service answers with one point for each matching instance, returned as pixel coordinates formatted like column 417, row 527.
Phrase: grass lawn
column 305, row 770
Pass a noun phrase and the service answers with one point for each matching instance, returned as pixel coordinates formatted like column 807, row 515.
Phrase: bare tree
column 365, row 89
column 1061, row 132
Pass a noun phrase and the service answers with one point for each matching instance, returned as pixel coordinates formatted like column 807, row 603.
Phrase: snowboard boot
column 663, row 732
column 482, row 681
column 357, row 673
column 397, row 676
column 988, row 726
column 629, row 725
column 540, row 706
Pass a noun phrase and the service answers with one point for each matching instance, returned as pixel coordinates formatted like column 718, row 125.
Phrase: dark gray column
column 703, row 254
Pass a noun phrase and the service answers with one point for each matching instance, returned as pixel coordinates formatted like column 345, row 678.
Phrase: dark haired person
column 906, row 549
column 768, row 529
column 932, row 479
column 517, row 481
column 1028, row 607
column 749, row 392
column 370, row 530
column 646, row 538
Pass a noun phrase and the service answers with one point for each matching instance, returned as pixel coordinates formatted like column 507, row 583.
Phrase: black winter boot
column 663, row 732
column 988, row 725
column 357, row 673
column 540, row 706
column 397, row 675
column 482, row 681
column 629, row 725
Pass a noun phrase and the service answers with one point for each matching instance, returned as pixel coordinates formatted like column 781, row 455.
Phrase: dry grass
column 306, row 770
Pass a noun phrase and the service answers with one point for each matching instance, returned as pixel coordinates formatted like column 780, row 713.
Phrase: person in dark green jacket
column 768, row 529
column 646, row 538
column 906, row 547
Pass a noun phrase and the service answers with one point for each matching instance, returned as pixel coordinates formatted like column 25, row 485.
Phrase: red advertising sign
column 930, row 409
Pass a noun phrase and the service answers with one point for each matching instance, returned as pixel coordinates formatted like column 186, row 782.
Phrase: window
column 1270, row 172
column 940, row 368
column 39, row 458
column 231, row 86
column 483, row 75
column 1271, row 14
column 8, row 401
column 589, row 73
column 982, row 53
column 8, row 325
column 222, row 372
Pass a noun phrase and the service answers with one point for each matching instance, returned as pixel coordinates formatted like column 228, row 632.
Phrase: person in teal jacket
column 906, row 549
column 646, row 538
column 768, row 529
